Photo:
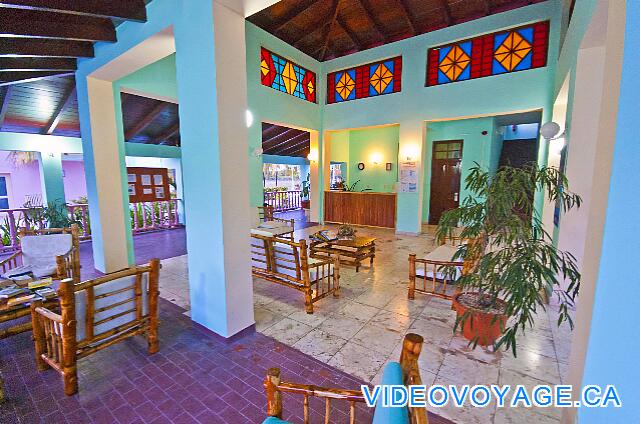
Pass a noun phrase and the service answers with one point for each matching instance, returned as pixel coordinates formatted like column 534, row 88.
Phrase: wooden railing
column 283, row 200
column 146, row 216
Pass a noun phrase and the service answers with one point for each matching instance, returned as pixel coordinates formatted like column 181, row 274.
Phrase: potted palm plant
column 511, row 263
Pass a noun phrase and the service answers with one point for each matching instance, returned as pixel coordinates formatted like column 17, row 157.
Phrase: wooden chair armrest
column 288, row 221
column 321, row 262
column 46, row 313
column 11, row 257
column 10, row 262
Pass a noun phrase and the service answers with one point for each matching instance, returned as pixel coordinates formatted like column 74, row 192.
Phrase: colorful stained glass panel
column 283, row 75
column 512, row 50
column 372, row 79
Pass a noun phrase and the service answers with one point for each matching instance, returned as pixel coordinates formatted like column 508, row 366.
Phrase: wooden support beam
column 355, row 40
column 299, row 7
column 287, row 133
column 295, row 147
column 332, row 22
column 65, row 101
column 40, row 47
column 130, row 10
column 486, row 4
column 318, row 29
column 446, row 12
column 19, row 77
column 37, row 64
column 375, row 23
column 28, row 23
column 144, row 122
column 4, row 105
column 408, row 17
column 286, row 142
column 166, row 134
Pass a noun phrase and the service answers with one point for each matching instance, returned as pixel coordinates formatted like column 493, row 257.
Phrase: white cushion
column 283, row 254
column 271, row 232
column 442, row 253
column 81, row 305
column 39, row 252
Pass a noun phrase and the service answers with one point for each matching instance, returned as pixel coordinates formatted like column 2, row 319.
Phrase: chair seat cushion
column 38, row 271
column 442, row 253
column 392, row 375
column 126, row 297
column 274, row 420
column 271, row 231
column 284, row 263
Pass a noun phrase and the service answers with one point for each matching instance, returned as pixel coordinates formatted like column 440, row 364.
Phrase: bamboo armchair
column 288, row 263
column 66, row 266
column 274, row 387
column 429, row 275
column 282, row 228
column 96, row 314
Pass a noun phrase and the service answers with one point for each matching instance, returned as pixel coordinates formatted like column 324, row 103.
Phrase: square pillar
column 51, row 178
column 409, row 205
column 105, row 171
column 212, row 88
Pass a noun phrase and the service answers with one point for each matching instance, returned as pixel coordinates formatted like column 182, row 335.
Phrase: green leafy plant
column 515, row 263
column 306, row 186
column 351, row 187
column 54, row 215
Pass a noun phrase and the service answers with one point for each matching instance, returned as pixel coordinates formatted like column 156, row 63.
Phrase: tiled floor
column 362, row 330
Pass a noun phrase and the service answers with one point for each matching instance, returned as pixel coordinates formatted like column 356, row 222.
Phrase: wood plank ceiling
column 40, row 42
column 326, row 29
column 284, row 141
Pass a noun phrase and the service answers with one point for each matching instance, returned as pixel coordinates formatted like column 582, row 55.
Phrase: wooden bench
column 270, row 226
column 288, row 263
column 410, row 375
column 96, row 314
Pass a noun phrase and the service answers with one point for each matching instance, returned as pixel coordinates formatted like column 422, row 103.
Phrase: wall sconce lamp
column 549, row 132
column 313, row 155
column 257, row 152
column 410, row 152
column 376, row 158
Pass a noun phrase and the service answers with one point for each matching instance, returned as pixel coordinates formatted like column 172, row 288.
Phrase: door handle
column 455, row 197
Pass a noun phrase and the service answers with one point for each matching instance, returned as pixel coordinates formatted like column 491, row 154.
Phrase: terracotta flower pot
column 484, row 327
column 306, row 204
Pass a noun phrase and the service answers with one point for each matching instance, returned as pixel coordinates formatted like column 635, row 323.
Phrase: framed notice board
column 148, row 184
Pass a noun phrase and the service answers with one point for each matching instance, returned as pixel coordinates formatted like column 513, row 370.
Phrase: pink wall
column 75, row 185
column 25, row 180
column 21, row 181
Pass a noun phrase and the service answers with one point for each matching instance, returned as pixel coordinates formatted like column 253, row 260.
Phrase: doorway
column 445, row 178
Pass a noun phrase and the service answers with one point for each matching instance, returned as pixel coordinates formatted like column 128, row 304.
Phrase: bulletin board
column 148, row 184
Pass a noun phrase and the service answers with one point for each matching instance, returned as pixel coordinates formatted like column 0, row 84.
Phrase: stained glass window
column 284, row 75
column 512, row 50
column 372, row 79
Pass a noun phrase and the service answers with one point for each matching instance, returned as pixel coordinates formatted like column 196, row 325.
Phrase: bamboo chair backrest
column 112, row 303
column 56, row 248
column 284, row 257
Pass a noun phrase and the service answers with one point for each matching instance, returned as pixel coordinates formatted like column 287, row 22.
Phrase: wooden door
column 445, row 178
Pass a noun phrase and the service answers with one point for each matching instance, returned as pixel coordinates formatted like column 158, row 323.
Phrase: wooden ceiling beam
column 39, row 47
column 319, row 29
column 18, row 77
column 294, row 147
column 130, row 10
column 446, row 12
column 282, row 135
column 355, row 40
column 290, row 140
column 144, row 122
column 408, row 17
column 166, row 134
column 37, row 64
column 4, row 105
column 375, row 23
column 486, row 4
column 65, row 101
column 27, row 23
column 292, row 13
column 334, row 15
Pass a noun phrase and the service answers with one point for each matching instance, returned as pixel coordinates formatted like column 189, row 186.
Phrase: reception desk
column 360, row 208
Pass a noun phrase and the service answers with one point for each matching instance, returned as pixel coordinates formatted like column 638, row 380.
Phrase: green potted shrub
column 305, row 202
column 512, row 264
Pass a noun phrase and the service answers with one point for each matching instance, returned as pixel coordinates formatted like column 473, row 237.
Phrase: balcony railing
column 283, row 200
column 146, row 216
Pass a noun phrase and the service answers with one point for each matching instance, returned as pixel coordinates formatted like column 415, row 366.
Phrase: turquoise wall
column 363, row 144
column 476, row 147
column 158, row 79
column 416, row 104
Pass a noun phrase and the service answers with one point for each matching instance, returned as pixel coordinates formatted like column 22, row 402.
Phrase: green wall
column 158, row 79
column 382, row 141
column 476, row 148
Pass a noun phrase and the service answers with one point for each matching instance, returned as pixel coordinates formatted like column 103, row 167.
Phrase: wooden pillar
column 274, row 397
column 68, row 308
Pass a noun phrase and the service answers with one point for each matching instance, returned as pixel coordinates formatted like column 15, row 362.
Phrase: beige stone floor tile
column 284, row 308
column 381, row 339
column 265, row 318
column 319, row 344
column 358, row 360
column 392, row 320
column 376, row 298
column 439, row 312
column 400, row 304
column 467, row 414
column 532, row 364
column 541, row 345
column 484, row 354
column 460, row 369
column 342, row 325
column 433, row 332
column 509, row 415
column 287, row 331
column 358, row 310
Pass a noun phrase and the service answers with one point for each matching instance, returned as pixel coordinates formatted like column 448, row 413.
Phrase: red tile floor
column 195, row 378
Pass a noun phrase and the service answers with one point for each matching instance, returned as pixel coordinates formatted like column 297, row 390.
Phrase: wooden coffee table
column 16, row 310
column 356, row 250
